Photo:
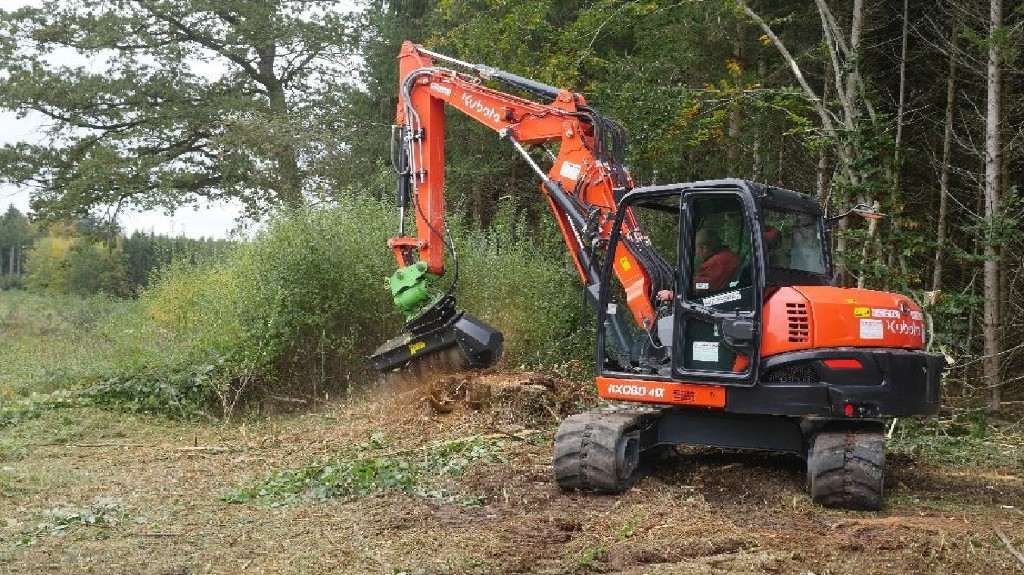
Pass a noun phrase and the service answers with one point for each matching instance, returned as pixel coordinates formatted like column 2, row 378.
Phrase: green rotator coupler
column 410, row 287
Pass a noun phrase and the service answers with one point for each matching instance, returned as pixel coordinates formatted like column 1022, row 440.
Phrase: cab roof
column 763, row 194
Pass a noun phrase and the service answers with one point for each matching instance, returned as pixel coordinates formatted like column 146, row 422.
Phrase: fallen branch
column 521, row 436
column 288, row 399
column 438, row 445
column 111, row 444
column 1009, row 546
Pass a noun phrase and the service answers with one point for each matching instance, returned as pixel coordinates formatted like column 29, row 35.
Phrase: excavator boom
column 580, row 188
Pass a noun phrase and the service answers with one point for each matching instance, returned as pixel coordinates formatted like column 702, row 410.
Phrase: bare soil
column 702, row 510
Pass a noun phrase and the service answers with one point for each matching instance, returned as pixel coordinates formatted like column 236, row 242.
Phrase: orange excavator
column 718, row 321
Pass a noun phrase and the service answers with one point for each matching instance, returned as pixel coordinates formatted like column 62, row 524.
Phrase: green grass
column 419, row 472
column 966, row 439
column 52, row 342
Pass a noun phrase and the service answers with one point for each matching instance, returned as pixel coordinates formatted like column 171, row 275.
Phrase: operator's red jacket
column 716, row 271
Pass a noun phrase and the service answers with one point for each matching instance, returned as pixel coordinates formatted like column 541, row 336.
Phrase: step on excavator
column 718, row 319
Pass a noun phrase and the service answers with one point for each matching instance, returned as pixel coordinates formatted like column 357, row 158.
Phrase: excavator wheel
column 845, row 468
column 600, row 451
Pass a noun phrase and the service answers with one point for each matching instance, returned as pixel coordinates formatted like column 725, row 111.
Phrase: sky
column 205, row 220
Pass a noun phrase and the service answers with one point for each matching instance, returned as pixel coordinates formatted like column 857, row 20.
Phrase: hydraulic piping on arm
column 581, row 187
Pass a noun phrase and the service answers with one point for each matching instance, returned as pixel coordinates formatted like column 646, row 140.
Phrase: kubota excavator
column 721, row 326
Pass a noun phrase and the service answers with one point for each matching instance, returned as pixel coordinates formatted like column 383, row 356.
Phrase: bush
column 525, row 285
column 296, row 311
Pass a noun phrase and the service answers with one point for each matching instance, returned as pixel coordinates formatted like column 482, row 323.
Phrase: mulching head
column 478, row 345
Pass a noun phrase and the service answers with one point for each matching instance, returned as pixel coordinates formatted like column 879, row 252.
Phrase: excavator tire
column 845, row 468
column 600, row 451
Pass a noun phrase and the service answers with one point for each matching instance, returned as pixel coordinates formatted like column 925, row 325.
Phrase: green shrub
column 525, row 285
column 315, row 290
column 295, row 311
column 9, row 282
column 299, row 308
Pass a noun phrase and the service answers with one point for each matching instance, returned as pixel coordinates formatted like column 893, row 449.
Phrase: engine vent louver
column 799, row 373
column 799, row 323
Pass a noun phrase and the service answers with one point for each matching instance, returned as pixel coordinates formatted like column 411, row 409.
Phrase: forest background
column 913, row 108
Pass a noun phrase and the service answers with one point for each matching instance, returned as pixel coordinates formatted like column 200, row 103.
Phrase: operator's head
column 708, row 242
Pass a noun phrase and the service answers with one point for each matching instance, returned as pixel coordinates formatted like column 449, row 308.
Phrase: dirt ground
column 148, row 494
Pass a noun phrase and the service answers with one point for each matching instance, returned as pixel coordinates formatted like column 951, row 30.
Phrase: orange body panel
column 808, row 317
column 698, row 395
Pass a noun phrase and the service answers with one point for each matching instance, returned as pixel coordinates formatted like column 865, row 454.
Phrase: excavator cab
column 706, row 328
column 731, row 244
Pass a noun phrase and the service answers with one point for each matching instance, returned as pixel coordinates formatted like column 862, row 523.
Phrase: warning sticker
column 722, row 298
column 871, row 329
column 705, row 351
column 570, row 170
column 861, row 312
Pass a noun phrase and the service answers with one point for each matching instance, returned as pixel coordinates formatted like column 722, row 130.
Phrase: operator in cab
column 719, row 263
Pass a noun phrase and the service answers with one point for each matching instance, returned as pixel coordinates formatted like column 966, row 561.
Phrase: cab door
column 719, row 298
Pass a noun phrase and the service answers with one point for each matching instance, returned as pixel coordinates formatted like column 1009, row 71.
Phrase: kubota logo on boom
column 475, row 105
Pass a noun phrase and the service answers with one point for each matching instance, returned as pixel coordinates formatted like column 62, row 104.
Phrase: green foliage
column 417, row 472
column 145, row 254
column 184, row 392
column 967, row 439
column 60, row 264
column 16, row 233
column 525, row 286
column 295, row 311
column 590, row 555
column 102, row 512
column 315, row 277
column 206, row 98
column 24, row 409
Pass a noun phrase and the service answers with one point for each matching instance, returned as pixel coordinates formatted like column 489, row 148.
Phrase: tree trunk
column 290, row 178
column 944, row 169
column 735, row 111
column 993, row 171
column 853, row 121
column 823, row 176
column 896, row 172
column 757, row 168
column 289, row 186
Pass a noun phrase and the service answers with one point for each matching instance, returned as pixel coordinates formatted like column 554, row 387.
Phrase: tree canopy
column 156, row 103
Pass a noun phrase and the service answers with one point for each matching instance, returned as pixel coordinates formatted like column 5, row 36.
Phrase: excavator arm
column 581, row 186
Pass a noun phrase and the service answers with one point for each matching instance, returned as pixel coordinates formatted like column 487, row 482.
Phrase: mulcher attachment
column 601, row 450
column 464, row 340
